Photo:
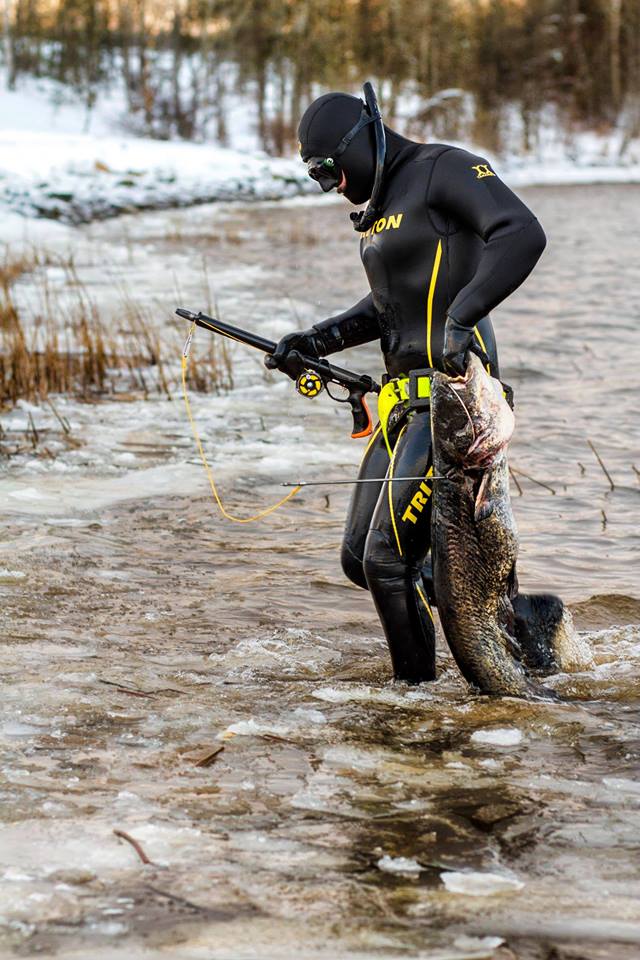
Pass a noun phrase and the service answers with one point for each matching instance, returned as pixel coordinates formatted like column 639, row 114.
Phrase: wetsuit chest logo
column 392, row 222
column 483, row 170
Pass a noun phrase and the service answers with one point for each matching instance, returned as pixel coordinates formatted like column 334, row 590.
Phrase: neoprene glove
column 458, row 339
column 290, row 349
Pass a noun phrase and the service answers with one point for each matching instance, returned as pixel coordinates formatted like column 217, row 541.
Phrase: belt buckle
column 420, row 388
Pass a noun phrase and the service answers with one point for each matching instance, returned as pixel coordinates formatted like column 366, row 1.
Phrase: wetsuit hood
column 321, row 129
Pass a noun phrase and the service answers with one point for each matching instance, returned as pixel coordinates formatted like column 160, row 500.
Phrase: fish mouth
column 459, row 381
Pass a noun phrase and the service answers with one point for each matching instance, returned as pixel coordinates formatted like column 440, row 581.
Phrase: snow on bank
column 51, row 167
column 591, row 159
column 77, row 178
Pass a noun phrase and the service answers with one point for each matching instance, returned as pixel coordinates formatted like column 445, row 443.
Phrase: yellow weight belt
column 394, row 392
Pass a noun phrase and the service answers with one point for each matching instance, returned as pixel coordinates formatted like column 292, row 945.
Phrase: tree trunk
column 614, row 52
column 145, row 84
column 7, row 44
column 125, row 27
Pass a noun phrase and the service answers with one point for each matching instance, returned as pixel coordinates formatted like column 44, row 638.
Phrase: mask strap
column 365, row 120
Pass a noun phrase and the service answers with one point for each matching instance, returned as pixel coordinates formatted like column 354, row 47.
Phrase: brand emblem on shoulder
column 483, row 170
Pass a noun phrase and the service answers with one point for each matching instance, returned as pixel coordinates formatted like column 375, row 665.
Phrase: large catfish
column 474, row 535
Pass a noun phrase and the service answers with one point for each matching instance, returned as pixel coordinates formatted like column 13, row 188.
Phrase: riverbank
column 53, row 167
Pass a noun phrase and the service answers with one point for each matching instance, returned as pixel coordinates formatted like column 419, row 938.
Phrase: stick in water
column 527, row 476
column 604, row 469
column 209, row 758
column 515, row 480
column 136, row 846
column 64, row 423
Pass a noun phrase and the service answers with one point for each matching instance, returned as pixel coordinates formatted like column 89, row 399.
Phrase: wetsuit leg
column 364, row 498
column 395, row 550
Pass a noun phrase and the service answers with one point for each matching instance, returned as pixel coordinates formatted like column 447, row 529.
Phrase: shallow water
column 345, row 816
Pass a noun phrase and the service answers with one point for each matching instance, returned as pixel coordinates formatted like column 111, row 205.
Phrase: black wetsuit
column 451, row 240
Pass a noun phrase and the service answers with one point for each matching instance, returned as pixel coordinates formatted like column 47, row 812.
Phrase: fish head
column 471, row 419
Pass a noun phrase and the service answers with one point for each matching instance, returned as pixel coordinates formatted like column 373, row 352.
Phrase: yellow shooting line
column 205, row 462
column 432, row 290
column 390, row 485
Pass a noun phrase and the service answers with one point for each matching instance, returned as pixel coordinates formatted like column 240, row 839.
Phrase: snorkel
column 328, row 172
column 364, row 219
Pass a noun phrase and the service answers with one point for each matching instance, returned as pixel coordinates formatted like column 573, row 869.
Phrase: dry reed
column 85, row 358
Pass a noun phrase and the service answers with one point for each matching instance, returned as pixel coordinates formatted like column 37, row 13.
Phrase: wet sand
column 346, row 815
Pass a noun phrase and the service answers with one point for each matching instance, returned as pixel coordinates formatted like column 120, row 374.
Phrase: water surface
column 346, row 815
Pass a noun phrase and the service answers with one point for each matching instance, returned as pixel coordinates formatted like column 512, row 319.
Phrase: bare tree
column 7, row 43
column 615, row 10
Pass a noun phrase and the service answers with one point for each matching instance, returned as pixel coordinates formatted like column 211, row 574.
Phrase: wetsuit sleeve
column 465, row 188
column 359, row 324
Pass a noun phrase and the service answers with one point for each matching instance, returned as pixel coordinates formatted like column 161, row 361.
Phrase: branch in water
column 540, row 483
column 600, row 461
column 136, row 846
column 515, row 480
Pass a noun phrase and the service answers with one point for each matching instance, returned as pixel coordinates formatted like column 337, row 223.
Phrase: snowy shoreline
column 53, row 168
column 78, row 179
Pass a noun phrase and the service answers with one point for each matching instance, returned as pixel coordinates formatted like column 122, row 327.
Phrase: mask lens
column 325, row 171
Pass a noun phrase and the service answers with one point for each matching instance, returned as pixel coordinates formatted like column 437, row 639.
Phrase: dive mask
column 325, row 171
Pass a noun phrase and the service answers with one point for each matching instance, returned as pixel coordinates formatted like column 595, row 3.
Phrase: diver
column 443, row 241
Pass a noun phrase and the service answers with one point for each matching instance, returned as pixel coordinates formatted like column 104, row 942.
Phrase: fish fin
column 483, row 507
column 483, row 510
column 545, row 628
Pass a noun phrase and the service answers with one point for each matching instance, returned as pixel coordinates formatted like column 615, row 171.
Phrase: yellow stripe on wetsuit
column 390, row 492
column 432, row 290
column 482, row 344
column 425, row 601
column 372, row 440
